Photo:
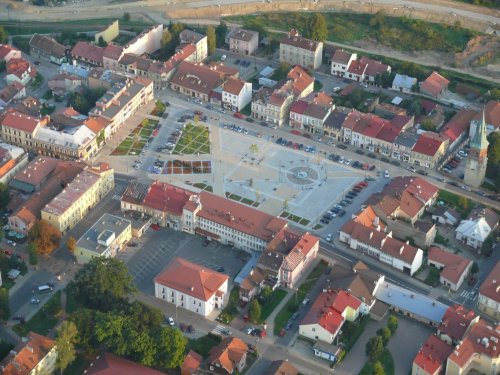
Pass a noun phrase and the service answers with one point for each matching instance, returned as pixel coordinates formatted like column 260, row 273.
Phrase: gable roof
column 5, row 49
column 27, row 356
column 432, row 355
column 404, row 81
column 454, row 265
column 244, row 35
column 110, row 364
column 88, row 51
column 19, row 121
column 373, row 67
column 491, row 114
column 191, row 363
column 434, row 84
column 197, row 77
column 166, row 197
column 477, row 229
column 429, row 143
column 458, row 124
column 228, row 353
column 192, row 279
column 491, row 285
column 342, row 57
column 293, row 38
column 456, row 321
column 300, row 80
column 48, row 45
column 234, row 86
column 488, row 214
column 281, row 367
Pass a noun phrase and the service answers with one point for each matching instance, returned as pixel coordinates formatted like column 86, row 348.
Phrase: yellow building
column 20, row 129
column 109, row 33
column 81, row 194
column 105, row 238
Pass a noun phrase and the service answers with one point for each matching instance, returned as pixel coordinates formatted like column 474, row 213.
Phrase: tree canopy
column 45, row 237
column 374, row 347
column 4, row 196
column 254, row 311
column 65, row 341
column 392, row 323
column 211, row 39
column 317, row 28
column 4, row 36
column 220, row 33
column 103, row 284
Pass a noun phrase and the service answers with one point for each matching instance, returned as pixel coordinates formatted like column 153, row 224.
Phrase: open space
column 134, row 143
column 194, row 140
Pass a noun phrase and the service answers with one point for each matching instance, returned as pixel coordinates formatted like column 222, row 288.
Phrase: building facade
column 244, row 42
column 477, row 160
column 296, row 50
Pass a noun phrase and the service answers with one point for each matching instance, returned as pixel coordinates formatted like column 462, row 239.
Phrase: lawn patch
column 462, row 204
column 432, row 278
column 202, row 345
column 194, row 140
column 385, row 359
column 274, row 301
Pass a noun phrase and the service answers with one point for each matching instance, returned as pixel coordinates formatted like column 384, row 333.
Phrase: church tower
column 475, row 168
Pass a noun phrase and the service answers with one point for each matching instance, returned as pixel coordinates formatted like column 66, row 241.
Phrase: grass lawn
column 386, row 360
column 44, row 320
column 194, row 140
column 433, row 277
column 352, row 330
column 293, row 304
column 203, row 344
column 203, row 186
column 462, row 204
column 274, row 301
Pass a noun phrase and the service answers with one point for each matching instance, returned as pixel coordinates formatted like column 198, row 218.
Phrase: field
column 137, row 139
column 194, row 140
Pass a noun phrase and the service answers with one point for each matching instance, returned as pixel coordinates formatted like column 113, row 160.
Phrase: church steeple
column 479, row 142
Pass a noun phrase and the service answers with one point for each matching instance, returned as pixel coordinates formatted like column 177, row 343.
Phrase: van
column 45, row 289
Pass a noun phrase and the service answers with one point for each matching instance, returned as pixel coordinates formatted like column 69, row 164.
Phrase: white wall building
column 236, row 94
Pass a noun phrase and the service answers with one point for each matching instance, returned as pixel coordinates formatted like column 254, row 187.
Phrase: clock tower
column 475, row 168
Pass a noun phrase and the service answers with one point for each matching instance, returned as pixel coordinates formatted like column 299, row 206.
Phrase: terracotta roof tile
column 491, row 285
column 109, row 364
column 434, row 84
column 429, row 143
column 281, row 367
column 292, row 38
column 432, row 355
column 228, row 353
column 456, row 321
column 167, row 198
column 234, row 86
column 88, row 51
column 191, row 363
column 454, row 265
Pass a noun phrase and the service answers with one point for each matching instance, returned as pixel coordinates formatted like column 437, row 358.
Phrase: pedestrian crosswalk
column 221, row 330
column 117, row 197
column 466, row 294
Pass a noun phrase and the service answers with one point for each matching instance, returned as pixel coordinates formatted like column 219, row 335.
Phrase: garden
column 238, row 198
column 194, row 140
column 134, row 143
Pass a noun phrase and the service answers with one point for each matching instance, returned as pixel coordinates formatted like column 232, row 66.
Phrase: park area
column 194, row 140
column 134, row 143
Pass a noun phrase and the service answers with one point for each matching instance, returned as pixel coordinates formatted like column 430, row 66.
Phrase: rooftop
column 433, row 355
column 281, row 367
column 292, row 38
column 229, row 352
column 454, row 265
column 243, row 35
column 109, row 364
column 48, row 45
column 456, row 321
column 491, row 285
column 191, row 279
column 164, row 197
column 429, row 143
column 104, row 229
column 188, row 36
column 434, row 84
column 89, row 52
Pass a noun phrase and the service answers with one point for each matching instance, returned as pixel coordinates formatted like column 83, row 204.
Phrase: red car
column 8, row 252
column 155, row 227
column 282, row 332
column 199, row 113
column 239, row 115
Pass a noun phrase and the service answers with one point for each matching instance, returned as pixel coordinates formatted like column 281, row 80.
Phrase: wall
column 110, row 33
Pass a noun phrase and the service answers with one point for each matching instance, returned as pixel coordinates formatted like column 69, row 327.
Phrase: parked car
column 305, row 302
column 170, row 321
column 385, row 160
column 422, row 172
column 341, row 146
column 386, row 174
column 360, row 152
column 34, row 301
column 239, row 115
column 249, row 330
column 373, row 156
column 329, row 237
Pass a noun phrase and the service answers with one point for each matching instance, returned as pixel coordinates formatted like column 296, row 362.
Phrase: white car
column 249, row 330
column 329, row 237
column 222, row 110
column 348, row 162
column 331, row 144
column 170, row 321
column 197, row 101
column 34, row 301
column 386, row 174
column 336, row 89
column 341, row 160
column 223, row 58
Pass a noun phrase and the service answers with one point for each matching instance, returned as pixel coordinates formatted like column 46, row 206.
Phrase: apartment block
column 198, row 40
column 244, row 42
column 296, row 50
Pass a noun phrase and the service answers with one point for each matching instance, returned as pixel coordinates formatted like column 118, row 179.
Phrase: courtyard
column 135, row 142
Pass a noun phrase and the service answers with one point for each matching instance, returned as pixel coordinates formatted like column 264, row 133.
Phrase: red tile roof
column 373, row 67
column 113, row 51
column 234, row 86
column 370, row 219
column 429, row 143
column 357, row 67
column 109, row 364
column 19, row 67
column 191, row 363
column 341, row 56
column 434, row 84
column 27, row 355
column 454, row 265
column 300, row 80
column 239, row 216
column 192, row 279
column 5, row 50
column 491, row 285
column 19, row 121
column 458, row 125
column 491, row 114
column 88, row 52
column 456, row 321
column 432, row 355
column 477, row 342
column 197, row 77
column 228, row 353
column 299, row 107
column 167, row 198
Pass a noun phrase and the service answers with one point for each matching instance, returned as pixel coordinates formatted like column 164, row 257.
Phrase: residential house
column 198, row 80
column 455, row 324
column 8, row 53
column 21, row 71
column 454, row 268
column 236, row 94
column 243, row 41
column 488, row 301
column 429, row 149
column 192, row 287
column 340, row 62
column 446, row 215
column 110, row 364
column 106, row 238
column 88, row 54
column 435, row 85
column 111, row 56
column 79, row 196
column 358, row 280
column 228, row 357
column 78, row 71
column 356, row 71
column 12, row 159
column 281, row 367
column 64, row 83
column 327, row 315
column 311, row 112
column 200, row 41
column 123, row 100
column 431, row 358
column 297, row 50
column 457, row 129
column 191, row 364
column 47, row 48
column 10, row 93
column 478, row 352
column 35, row 355
column 251, row 285
column 374, row 68
column 403, row 145
column 403, row 83
column 19, row 129
column 332, row 126
column 477, row 227
column 491, row 118
column 108, row 33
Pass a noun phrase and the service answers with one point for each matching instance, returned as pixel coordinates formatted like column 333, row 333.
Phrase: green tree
column 4, row 196
column 126, row 16
column 474, row 268
column 463, row 202
column 71, row 244
column 254, row 149
column 144, row 316
column 4, row 304
column 378, row 19
column 374, row 347
column 415, row 107
column 166, row 37
column 101, row 42
column 211, row 39
column 110, row 330
column 170, row 347
column 4, row 36
column 32, row 254
column 318, row 29
column 67, row 336
column 494, row 148
column 266, row 293
column 84, row 321
column 255, row 25
column 177, row 27
column 378, row 369
column 102, row 284
column 220, row 33
column 3, row 66
column 386, row 334
column 392, row 324
column 254, row 311
column 428, row 124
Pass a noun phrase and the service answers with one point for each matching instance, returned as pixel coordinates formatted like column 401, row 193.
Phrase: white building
column 236, row 94
column 199, row 40
column 341, row 61
column 473, row 232
column 488, row 301
column 192, row 287
column 296, row 50
column 148, row 41
column 403, row 83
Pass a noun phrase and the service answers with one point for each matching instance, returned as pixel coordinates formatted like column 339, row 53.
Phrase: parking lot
column 156, row 249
